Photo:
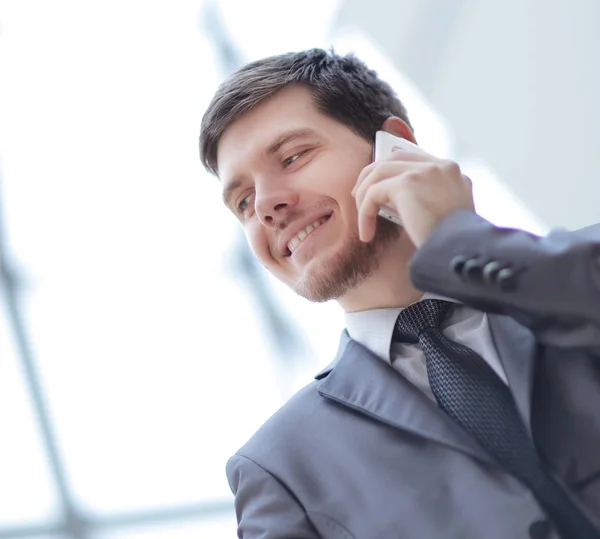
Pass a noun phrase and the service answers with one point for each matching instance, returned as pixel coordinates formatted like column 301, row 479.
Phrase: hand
column 421, row 188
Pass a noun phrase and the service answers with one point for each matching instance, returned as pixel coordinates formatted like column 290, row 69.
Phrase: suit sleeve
column 550, row 284
column 265, row 508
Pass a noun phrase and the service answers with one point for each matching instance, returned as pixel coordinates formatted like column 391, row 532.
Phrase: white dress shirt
column 374, row 328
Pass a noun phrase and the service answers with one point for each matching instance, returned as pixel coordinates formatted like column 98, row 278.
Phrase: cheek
column 343, row 193
column 259, row 244
column 345, row 174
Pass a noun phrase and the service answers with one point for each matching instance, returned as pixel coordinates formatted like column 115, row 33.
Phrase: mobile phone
column 385, row 144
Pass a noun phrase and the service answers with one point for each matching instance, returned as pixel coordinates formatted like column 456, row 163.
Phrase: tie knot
column 419, row 316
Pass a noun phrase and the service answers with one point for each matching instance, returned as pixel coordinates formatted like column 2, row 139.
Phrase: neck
column 388, row 286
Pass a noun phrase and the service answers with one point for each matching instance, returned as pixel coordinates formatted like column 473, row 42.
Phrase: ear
column 397, row 126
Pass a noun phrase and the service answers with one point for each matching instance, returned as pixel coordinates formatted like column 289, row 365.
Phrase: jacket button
column 457, row 264
column 490, row 271
column 507, row 280
column 539, row 529
column 473, row 270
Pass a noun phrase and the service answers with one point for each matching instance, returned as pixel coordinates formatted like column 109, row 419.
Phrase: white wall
column 518, row 82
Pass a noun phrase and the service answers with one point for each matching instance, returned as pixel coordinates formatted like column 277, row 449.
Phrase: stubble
column 350, row 267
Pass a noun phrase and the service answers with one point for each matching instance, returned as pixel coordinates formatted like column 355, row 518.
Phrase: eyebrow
column 288, row 136
column 231, row 187
column 273, row 148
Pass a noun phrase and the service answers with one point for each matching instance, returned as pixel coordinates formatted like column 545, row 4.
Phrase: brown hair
column 343, row 87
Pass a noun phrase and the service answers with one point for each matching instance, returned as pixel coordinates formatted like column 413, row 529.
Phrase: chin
column 334, row 276
column 354, row 262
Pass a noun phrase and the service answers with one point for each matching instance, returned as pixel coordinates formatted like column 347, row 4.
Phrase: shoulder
column 299, row 429
column 286, row 427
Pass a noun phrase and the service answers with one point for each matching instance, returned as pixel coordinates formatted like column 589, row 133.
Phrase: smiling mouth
column 297, row 240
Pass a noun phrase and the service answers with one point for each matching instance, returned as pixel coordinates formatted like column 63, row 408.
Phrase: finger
column 385, row 171
column 376, row 197
column 382, row 171
column 377, row 174
column 367, row 226
column 363, row 174
column 408, row 152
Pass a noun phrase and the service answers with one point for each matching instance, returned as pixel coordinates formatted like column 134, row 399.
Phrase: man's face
column 287, row 172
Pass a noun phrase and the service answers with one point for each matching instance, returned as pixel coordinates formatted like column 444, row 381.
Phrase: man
column 464, row 401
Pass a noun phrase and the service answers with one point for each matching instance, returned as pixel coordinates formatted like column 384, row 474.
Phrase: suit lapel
column 517, row 351
column 367, row 384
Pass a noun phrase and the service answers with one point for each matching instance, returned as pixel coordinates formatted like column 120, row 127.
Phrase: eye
column 243, row 204
column 292, row 159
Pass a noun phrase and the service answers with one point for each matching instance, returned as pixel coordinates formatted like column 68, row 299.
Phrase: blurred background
column 140, row 345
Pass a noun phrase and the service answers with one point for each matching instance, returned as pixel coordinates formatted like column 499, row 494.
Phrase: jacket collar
column 358, row 379
column 363, row 382
column 517, row 350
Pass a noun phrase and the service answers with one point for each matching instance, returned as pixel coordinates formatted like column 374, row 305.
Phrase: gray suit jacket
column 360, row 453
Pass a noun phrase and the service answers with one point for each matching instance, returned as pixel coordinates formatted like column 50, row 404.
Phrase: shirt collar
column 374, row 328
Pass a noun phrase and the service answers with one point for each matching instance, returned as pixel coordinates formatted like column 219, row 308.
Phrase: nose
column 274, row 205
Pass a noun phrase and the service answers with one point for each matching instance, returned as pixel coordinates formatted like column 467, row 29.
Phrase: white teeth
column 294, row 242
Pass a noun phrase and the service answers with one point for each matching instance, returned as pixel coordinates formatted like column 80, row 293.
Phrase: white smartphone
column 385, row 144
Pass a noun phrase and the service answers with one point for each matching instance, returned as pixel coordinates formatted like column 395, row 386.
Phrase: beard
column 353, row 265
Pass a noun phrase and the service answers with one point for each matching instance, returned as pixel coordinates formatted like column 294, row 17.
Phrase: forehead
column 245, row 139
